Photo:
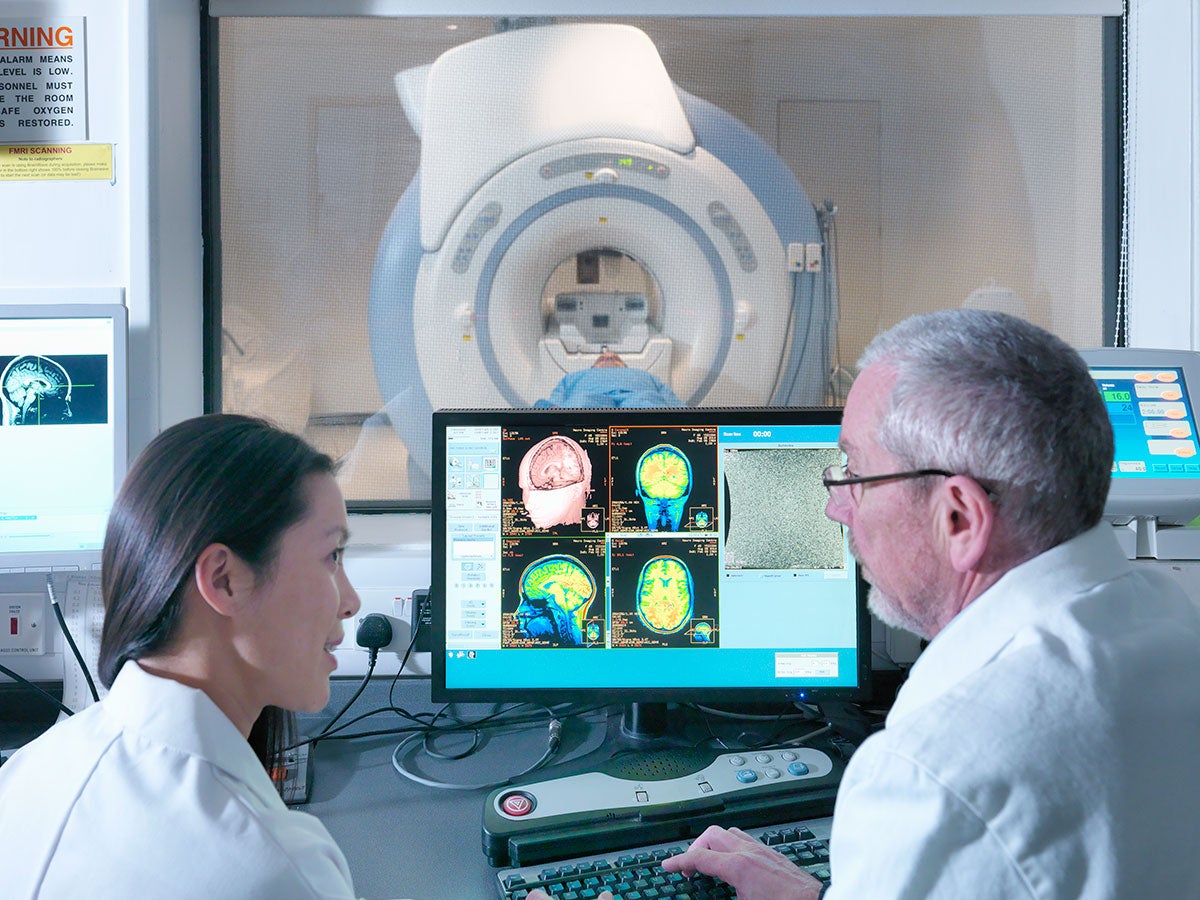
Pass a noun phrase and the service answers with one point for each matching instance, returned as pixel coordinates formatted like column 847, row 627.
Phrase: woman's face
column 295, row 617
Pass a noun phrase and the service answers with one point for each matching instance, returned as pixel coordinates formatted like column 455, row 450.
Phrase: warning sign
column 43, row 80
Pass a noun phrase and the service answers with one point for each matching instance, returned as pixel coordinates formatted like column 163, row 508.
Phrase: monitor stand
column 647, row 725
column 1146, row 538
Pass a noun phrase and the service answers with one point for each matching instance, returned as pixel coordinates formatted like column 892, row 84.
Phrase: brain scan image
column 664, row 482
column 556, row 592
column 36, row 391
column 776, row 510
column 702, row 632
column 556, row 479
column 665, row 595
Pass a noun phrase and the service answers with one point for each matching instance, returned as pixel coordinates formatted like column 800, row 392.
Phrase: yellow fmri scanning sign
column 56, row 162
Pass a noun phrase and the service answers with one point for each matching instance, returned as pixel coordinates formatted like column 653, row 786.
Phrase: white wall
column 1164, row 152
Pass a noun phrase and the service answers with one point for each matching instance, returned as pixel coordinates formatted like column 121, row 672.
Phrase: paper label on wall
column 56, row 162
column 43, row 80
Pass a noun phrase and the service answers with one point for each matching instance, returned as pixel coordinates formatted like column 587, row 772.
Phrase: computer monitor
column 1150, row 395
column 642, row 556
column 63, row 439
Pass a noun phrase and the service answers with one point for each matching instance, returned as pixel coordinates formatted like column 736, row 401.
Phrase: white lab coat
column 1043, row 746
column 154, row 793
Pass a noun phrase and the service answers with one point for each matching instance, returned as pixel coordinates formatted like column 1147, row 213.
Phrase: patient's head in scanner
column 36, row 391
column 610, row 383
column 556, row 479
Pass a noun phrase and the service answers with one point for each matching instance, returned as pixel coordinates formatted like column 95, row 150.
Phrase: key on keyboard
column 636, row 874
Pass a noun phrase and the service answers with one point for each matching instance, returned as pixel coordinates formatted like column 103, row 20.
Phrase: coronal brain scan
column 664, row 482
column 665, row 595
column 36, row 391
column 555, row 478
column 556, row 592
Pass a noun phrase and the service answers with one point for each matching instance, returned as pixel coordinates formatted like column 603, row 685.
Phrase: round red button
column 517, row 804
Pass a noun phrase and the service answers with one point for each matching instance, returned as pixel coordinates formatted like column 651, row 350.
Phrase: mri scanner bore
column 572, row 200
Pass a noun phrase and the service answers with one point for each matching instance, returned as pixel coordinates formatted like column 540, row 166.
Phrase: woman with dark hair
column 224, row 597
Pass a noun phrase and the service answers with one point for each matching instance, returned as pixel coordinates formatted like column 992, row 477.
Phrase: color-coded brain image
column 664, row 473
column 556, row 592
column 665, row 595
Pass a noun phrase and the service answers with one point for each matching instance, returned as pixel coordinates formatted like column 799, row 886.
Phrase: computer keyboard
column 636, row 874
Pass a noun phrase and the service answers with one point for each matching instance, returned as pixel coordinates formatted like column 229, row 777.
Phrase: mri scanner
column 572, row 199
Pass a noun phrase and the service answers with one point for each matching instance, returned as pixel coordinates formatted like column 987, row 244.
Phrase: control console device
column 650, row 796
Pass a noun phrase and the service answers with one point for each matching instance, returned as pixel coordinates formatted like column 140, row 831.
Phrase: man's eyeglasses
column 845, row 489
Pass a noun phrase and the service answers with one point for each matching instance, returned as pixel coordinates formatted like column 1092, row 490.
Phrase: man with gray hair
column 1044, row 742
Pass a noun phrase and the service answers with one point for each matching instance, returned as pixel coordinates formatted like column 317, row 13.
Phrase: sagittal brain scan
column 64, row 390
column 556, row 592
column 664, row 482
column 555, row 477
column 665, row 595
column 775, row 510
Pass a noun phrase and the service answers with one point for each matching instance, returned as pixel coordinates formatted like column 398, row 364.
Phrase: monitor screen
column 1150, row 396
column 636, row 554
column 62, row 432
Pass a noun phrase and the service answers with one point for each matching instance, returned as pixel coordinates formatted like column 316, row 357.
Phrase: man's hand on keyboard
column 756, row 871
column 536, row 894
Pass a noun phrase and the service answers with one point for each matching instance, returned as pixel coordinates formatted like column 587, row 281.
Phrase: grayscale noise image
column 775, row 510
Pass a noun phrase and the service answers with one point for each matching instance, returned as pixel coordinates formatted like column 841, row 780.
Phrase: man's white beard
column 887, row 611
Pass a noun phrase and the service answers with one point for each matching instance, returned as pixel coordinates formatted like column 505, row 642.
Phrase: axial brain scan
column 665, row 595
column 556, row 479
column 664, row 482
column 36, row 391
column 556, row 592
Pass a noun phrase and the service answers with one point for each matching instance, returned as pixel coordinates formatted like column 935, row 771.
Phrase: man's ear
column 222, row 578
column 966, row 519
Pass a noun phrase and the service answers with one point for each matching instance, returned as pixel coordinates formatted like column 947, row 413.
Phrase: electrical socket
column 22, row 626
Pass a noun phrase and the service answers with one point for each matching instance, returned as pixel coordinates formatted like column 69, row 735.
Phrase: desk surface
column 403, row 839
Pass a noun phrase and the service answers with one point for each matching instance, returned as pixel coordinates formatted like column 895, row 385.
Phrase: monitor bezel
column 1163, row 499
column 441, row 692
column 75, row 559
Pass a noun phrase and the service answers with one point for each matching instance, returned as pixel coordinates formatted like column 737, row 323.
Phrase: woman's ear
column 223, row 579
